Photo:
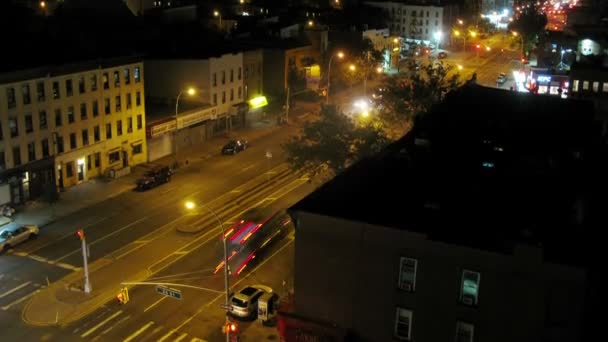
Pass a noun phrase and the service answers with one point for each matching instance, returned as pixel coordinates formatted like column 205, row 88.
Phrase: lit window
column 585, row 85
column 596, row 86
column 407, row 274
column 575, row 86
column 469, row 288
column 464, row 332
column 403, row 324
column 605, row 87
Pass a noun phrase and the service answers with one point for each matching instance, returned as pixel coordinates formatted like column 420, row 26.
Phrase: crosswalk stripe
column 138, row 332
column 93, row 329
column 167, row 335
column 15, row 289
column 181, row 337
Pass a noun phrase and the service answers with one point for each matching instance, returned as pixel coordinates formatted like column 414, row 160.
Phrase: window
column 119, row 127
column 231, row 94
column 93, row 79
column 129, row 125
column 2, row 161
column 239, row 74
column 259, row 68
column 81, row 89
column 89, row 162
column 40, row 91
column 58, row 118
column 16, row 156
column 69, row 169
column 25, row 94
column 231, row 75
column 96, row 134
column 223, row 77
column 436, row 22
column 140, row 121
column 97, row 159
column 85, row 137
column 114, row 157
column 247, row 71
column 106, row 105
column 117, row 103
column 214, row 99
column 436, row 14
column 575, row 86
column 407, row 274
column 109, row 131
column 413, row 13
column 69, row 91
column 585, row 85
column 469, row 288
column 137, row 149
column 13, row 126
column 56, row 93
column 464, row 332
column 240, row 93
column 403, row 324
column 95, row 108
column 605, row 87
column 127, row 76
column 596, row 86
column 128, row 97
column 223, row 97
column 72, row 141
column 29, row 123
column 137, row 75
column 427, row 22
column 138, row 99
column 42, row 119
column 45, row 148
column 31, row 152
column 60, row 148
column 116, row 79
column 83, row 111
column 427, row 14
column 105, row 79
column 70, row 114
column 215, row 79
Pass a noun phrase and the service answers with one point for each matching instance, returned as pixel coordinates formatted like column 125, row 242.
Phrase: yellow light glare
column 191, row 91
column 216, row 13
column 310, row 23
column 473, row 34
column 340, row 54
column 352, row 67
column 189, row 205
column 459, row 67
column 258, row 102
column 379, row 70
column 365, row 113
column 395, row 40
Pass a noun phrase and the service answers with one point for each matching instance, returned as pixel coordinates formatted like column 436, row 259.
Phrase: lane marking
column 181, row 252
column 8, row 306
column 181, row 337
column 114, row 325
column 155, row 303
column 196, row 339
column 157, row 329
column 167, row 335
column 168, row 190
column 47, row 261
column 247, row 168
column 68, row 266
column 141, row 241
column 235, row 191
column 63, row 237
column 19, row 287
column 93, row 329
column 139, row 332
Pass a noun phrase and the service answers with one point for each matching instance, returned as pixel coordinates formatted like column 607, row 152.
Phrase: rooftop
column 485, row 169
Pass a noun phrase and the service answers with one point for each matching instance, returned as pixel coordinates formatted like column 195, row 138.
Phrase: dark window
column 81, row 88
column 240, row 92
column 114, row 157
column 137, row 75
column 246, row 72
column 85, row 137
column 72, row 141
column 109, row 131
column 119, row 127
column 69, row 169
column 214, row 79
column 69, row 91
column 231, row 75
column 42, row 119
column 29, row 123
column 128, row 97
column 83, row 111
column 403, row 324
column 106, row 105
column 127, row 76
column 58, row 118
column 105, row 79
column 2, row 161
column 239, row 73
column 45, row 147
column 129, row 125
column 140, row 120
column 40, row 91
column 137, row 149
column 214, row 98
column 10, row 97
column 31, row 152
column 231, row 94
column 223, row 77
column 13, row 126
column 93, row 82
column 116, row 79
column 89, row 162
column 56, row 93
column 97, row 159
column 1, row 134
column 96, row 135
column 25, row 93
column 95, row 109
column 117, row 103
column 70, row 114
column 60, row 147
column 16, row 156
column 223, row 97
column 464, row 332
column 138, row 99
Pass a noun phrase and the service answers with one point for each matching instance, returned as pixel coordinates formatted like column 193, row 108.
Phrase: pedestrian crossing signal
column 80, row 234
column 123, row 296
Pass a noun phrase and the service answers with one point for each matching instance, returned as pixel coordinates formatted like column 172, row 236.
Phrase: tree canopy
column 529, row 24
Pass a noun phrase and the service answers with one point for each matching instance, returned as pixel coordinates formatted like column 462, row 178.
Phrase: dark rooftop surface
column 485, row 169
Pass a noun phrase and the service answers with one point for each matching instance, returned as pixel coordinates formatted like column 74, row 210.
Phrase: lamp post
column 340, row 55
column 189, row 91
column 219, row 15
column 190, row 206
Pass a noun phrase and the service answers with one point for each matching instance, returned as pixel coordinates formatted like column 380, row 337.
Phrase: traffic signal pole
column 83, row 240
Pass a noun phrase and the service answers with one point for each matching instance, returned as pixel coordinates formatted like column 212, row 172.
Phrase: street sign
column 165, row 291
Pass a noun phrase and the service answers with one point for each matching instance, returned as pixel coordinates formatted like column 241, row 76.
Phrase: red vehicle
column 250, row 236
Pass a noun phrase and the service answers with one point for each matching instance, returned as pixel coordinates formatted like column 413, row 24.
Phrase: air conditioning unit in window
column 406, row 287
column 468, row 300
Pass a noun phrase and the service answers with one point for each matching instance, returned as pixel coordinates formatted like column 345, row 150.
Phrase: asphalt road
column 116, row 224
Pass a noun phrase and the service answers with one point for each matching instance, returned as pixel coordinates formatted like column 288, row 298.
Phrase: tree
column 333, row 143
column 365, row 60
column 528, row 25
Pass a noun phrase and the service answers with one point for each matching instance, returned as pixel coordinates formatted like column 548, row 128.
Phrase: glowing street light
column 340, row 55
column 459, row 67
column 460, row 22
column 352, row 67
column 473, row 34
column 190, row 91
column 219, row 15
column 379, row 70
column 311, row 23
column 488, row 48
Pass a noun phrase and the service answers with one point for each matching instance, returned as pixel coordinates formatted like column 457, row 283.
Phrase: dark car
column 442, row 55
column 235, row 146
column 154, row 177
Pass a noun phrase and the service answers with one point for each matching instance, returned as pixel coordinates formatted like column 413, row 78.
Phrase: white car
column 244, row 304
column 13, row 234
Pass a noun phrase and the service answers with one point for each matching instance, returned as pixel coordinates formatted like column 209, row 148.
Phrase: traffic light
column 230, row 328
column 80, row 234
column 123, row 296
column 477, row 46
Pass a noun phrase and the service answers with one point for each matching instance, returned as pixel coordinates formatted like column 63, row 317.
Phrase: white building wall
column 222, row 68
column 412, row 22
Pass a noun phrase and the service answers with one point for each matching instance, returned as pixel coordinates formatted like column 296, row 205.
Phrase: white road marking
column 157, row 329
column 155, row 303
column 15, row 289
column 235, row 191
column 168, row 190
column 47, row 261
column 8, row 306
column 138, row 332
column 181, row 337
column 196, row 339
column 248, row 167
column 171, row 332
column 114, row 325
column 93, row 329
column 68, row 266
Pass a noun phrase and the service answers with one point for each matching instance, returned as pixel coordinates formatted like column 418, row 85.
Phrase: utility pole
column 83, row 240
column 287, row 107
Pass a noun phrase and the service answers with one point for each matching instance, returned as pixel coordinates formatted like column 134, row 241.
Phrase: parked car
column 154, row 177
column 244, row 304
column 442, row 55
column 502, row 78
column 13, row 234
column 235, row 146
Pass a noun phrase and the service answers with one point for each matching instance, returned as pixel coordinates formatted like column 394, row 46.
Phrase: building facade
column 65, row 125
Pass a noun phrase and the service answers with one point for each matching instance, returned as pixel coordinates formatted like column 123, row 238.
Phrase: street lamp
column 311, row 23
column 352, row 67
column 340, row 55
column 219, row 15
column 460, row 22
column 190, row 206
column 190, row 91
